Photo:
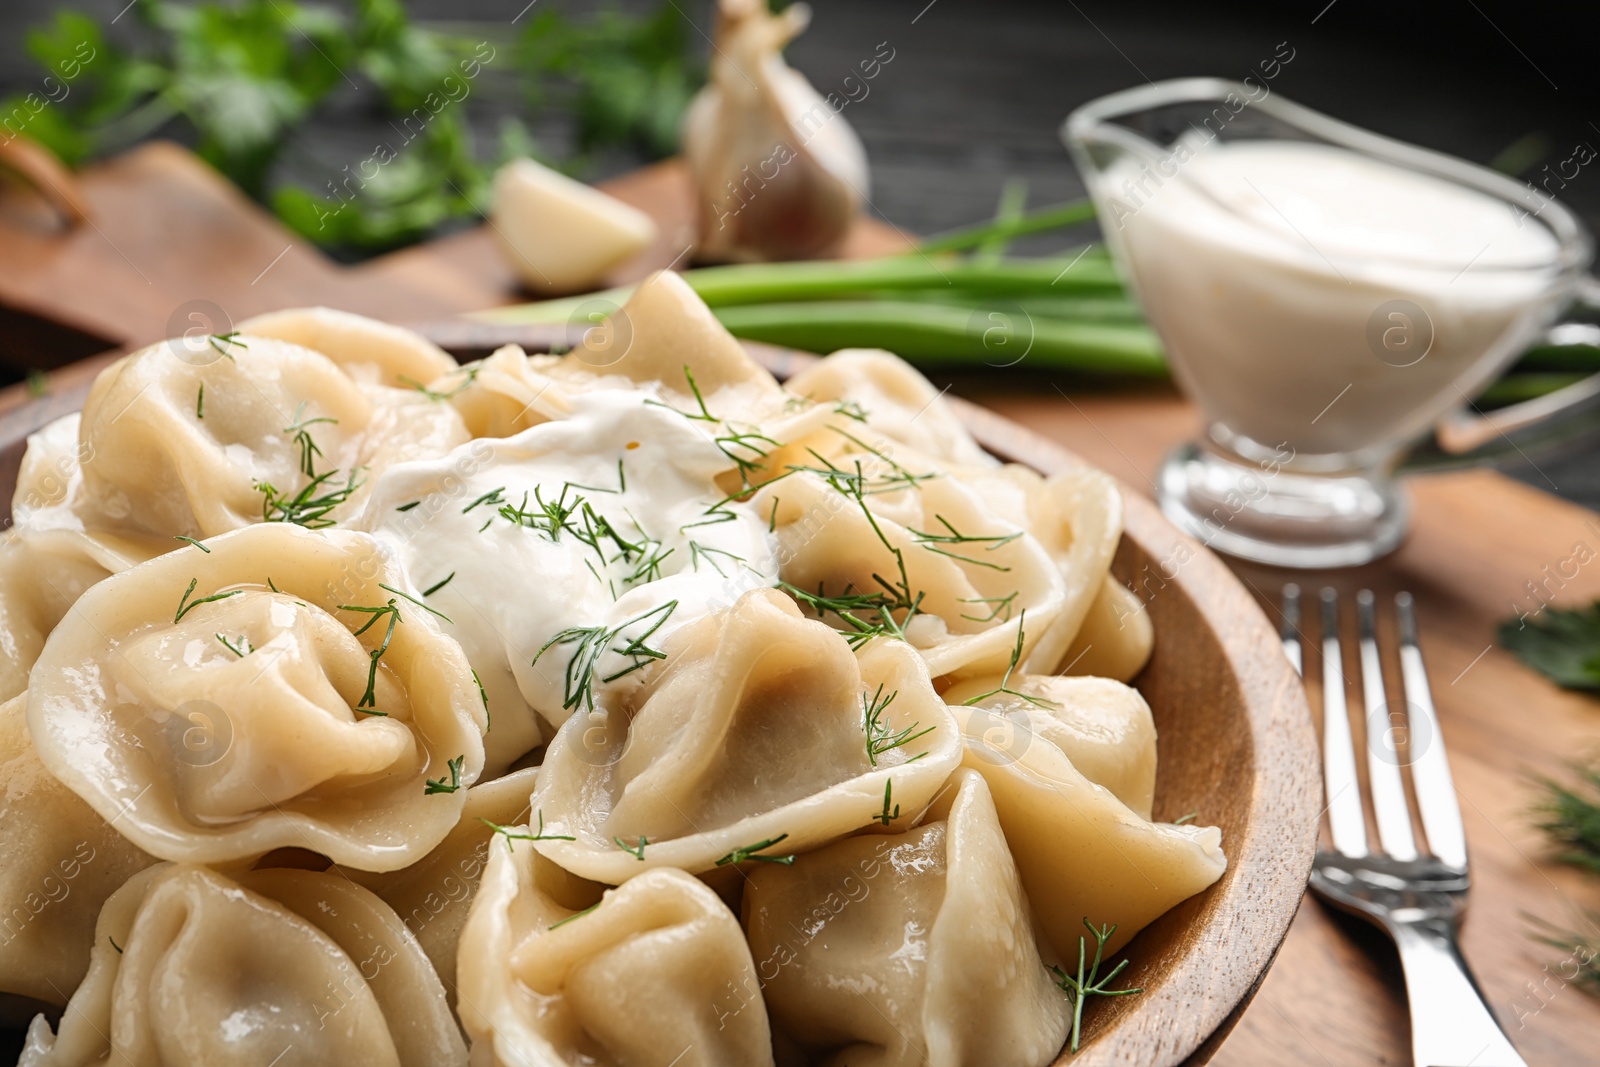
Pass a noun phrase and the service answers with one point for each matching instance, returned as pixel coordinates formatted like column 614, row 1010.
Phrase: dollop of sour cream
column 565, row 556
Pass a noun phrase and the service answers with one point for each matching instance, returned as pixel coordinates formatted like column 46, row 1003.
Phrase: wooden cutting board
column 1335, row 995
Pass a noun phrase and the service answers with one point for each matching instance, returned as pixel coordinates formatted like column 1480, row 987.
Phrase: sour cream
column 609, row 519
column 1314, row 297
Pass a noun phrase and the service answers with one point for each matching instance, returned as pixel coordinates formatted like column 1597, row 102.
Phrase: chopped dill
column 506, row 832
column 881, row 737
column 193, row 541
column 242, row 649
column 750, row 853
column 439, row 785
column 440, row 584
column 1005, row 682
column 636, row 851
column 186, row 605
column 594, row 642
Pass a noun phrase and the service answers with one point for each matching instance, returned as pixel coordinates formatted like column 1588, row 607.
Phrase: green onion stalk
column 959, row 302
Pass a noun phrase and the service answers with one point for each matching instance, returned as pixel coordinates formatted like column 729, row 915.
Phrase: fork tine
column 1430, row 769
column 1389, row 802
column 1346, row 822
column 1289, row 631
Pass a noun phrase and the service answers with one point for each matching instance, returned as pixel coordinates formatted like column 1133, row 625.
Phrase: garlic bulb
column 560, row 235
column 778, row 172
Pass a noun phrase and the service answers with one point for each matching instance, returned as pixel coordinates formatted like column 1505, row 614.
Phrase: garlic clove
column 779, row 173
column 561, row 235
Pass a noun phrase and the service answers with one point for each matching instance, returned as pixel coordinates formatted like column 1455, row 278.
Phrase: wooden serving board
column 1335, row 994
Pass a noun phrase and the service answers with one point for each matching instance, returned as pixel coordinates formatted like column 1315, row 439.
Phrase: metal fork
column 1416, row 896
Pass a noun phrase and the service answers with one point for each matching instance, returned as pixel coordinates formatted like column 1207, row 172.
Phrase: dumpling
column 1116, row 638
column 880, row 390
column 271, row 966
column 370, row 351
column 62, row 862
column 557, row 550
column 42, row 574
column 1103, row 726
column 1083, row 854
column 975, row 580
column 1077, row 516
column 647, row 975
column 506, row 393
column 908, row 949
column 432, row 895
column 277, row 687
column 258, row 429
column 762, row 728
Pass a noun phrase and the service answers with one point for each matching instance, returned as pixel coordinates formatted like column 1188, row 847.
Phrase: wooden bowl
column 1235, row 744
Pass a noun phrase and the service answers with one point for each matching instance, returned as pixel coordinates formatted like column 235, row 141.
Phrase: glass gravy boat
column 1323, row 298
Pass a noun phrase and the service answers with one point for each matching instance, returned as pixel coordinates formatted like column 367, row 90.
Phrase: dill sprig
column 185, row 605
column 704, row 414
column 930, row 541
column 300, row 426
column 435, row 395
column 242, row 649
column 220, row 342
column 483, row 695
column 1005, row 682
column 193, row 541
column 750, row 852
column 391, row 611
column 851, row 409
column 697, row 551
column 506, row 832
column 998, row 604
column 1570, row 815
column 439, row 785
column 886, row 816
column 1581, row 950
column 881, row 735
column 636, row 851
column 575, row 915
column 1083, row 986
column 493, row 498
column 547, row 517
column 749, row 442
column 594, row 642
column 311, row 505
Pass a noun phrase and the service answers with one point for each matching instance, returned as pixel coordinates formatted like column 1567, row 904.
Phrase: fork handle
column 1451, row 1024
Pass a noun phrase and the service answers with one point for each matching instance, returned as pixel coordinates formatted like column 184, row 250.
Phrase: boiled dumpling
column 62, row 862
column 367, row 350
column 42, row 574
column 762, row 727
column 645, row 976
column 1102, row 726
column 268, row 967
column 258, row 429
column 218, row 702
column 908, row 949
column 974, row 579
column 880, row 390
column 1116, row 637
column 506, row 393
column 1083, row 854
